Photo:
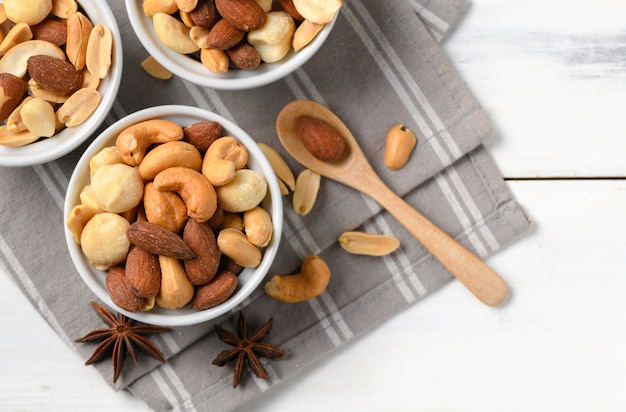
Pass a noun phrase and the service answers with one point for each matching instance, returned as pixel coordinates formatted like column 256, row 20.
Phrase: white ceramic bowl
column 195, row 72
column 62, row 143
column 249, row 278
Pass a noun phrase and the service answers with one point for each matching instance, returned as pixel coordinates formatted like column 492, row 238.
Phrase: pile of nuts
column 239, row 33
column 52, row 61
column 173, row 214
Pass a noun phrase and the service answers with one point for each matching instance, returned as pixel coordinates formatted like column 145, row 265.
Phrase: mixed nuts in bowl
column 173, row 216
column 232, row 44
column 60, row 72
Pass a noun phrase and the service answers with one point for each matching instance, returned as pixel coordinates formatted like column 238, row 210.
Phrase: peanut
column 279, row 165
column 305, row 193
column 399, row 145
column 38, row 117
column 371, row 244
column 258, row 227
column 234, row 244
column 78, row 107
column 155, row 69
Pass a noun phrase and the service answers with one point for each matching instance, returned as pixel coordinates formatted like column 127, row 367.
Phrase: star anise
column 247, row 348
column 120, row 338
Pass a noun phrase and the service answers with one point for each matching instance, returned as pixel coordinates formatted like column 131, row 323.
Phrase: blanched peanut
column 152, row 7
column 244, row 192
column 117, row 187
column 234, row 244
column 273, row 39
column 155, row 69
column 399, row 146
column 173, row 33
column 17, row 34
column 78, row 107
column 305, row 193
column 305, row 33
column 104, row 241
column 98, row 53
column 16, row 138
column 371, row 244
column 78, row 30
column 38, row 117
column 279, row 165
column 258, row 227
column 214, row 59
column 176, row 290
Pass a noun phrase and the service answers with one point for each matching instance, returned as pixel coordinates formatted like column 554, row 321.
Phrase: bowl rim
column 178, row 317
column 67, row 140
column 232, row 80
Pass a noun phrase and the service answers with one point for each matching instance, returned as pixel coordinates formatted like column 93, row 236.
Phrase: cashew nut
column 222, row 159
column 15, row 61
column 309, row 283
column 135, row 140
column 152, row 7
column 165, row 209
column 169, row 154
column 195, row 190
column 176, row 290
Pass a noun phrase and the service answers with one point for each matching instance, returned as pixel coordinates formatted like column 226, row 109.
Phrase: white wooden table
column 552, row 76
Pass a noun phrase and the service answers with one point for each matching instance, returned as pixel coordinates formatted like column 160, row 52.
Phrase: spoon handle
column 479, row 278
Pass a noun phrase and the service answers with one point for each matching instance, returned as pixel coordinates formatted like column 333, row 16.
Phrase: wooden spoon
column 353, row 170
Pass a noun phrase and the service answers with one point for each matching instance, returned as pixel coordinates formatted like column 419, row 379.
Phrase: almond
column 55, row 75
column 246, row 15
column 143, row 272
column 215, row 292
column 202, row 134
column 50, row 30
column 201, row 240
column 205, row 14
column 244, row 56
column 158, row 240
column 12, row 89
column 121, row 292
column 224, row 35
column 288, row 6
column 320, row 138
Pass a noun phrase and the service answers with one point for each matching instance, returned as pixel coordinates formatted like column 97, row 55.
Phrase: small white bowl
column 194, row 71
column 62, row 143
column 249, row 278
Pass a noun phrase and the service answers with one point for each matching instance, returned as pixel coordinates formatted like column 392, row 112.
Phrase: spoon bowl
column 354, row 170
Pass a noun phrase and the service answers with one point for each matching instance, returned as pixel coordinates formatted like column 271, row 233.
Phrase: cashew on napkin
column 380, row 66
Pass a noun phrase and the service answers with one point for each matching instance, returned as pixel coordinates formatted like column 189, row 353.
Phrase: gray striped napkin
column 380, row 66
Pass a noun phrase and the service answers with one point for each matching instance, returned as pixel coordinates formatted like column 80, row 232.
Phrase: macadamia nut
column 244, row 192
column 104, row 240
column 273, row 39
column 117, row 187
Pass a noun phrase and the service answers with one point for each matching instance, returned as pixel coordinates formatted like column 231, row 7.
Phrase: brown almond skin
column 200, row 238
column 246, row 15
column 224, row 35
column 229, row 265
column 217, row 291
column 287, row 5
column 12, row 89
column 320, row 138
column 143, row 272
column 55, row 75
column 121, row 292
column 202, row 134
column 205, row 14
column 50, row 30
column 158, row 240
column 244, row 56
